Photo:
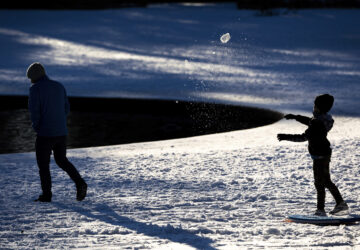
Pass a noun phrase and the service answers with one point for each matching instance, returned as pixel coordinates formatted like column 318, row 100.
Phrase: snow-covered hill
column 221, row 191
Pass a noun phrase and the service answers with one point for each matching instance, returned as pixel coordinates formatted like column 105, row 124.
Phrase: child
column 319, row 148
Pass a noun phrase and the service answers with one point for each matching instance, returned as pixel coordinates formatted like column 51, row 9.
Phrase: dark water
column 110, row 121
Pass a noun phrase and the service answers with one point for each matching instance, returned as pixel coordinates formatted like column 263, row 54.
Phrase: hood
column 326, row 119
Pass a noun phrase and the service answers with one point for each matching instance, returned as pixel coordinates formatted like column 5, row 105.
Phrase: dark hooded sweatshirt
column 318, row 127
column 49, row 107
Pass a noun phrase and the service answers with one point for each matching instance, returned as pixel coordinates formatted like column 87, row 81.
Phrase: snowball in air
column 225, row 38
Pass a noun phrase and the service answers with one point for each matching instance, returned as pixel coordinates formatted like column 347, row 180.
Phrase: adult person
column 49, row 107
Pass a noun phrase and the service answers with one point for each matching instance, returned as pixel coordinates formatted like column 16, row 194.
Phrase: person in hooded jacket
column 49, row 107
column 319, row 148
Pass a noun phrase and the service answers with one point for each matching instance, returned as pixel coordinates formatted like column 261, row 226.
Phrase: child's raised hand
column 289, row 116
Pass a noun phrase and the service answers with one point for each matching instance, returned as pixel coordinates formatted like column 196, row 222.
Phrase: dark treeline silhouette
column 296, row 4
column 241, row 4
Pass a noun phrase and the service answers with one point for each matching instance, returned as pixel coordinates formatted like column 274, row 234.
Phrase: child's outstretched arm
column 293, row 138
column 302, row 119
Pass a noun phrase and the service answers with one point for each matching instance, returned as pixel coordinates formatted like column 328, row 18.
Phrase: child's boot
column 320, row 212
column 342, row 206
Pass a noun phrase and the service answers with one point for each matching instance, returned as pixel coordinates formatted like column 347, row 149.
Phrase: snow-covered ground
column 221, row 191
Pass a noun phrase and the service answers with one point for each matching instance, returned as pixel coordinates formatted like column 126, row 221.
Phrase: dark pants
column 323, row 180
column 44, row 146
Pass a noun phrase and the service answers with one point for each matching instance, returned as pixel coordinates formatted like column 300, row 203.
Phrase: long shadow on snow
column 108, row 215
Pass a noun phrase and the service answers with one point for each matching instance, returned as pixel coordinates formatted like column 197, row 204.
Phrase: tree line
column 241, row 4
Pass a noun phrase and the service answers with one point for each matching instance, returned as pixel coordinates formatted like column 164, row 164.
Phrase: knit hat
column 35, row 72
column 324, row 102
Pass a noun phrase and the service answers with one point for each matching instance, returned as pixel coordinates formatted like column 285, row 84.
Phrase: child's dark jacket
column 319, row 126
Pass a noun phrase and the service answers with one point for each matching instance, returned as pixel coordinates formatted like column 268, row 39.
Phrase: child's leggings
column 323, row 180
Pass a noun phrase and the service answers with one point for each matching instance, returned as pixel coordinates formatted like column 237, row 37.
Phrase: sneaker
column 342, row 206
column 320, row 212
column 81, row 191
column 44, row 198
